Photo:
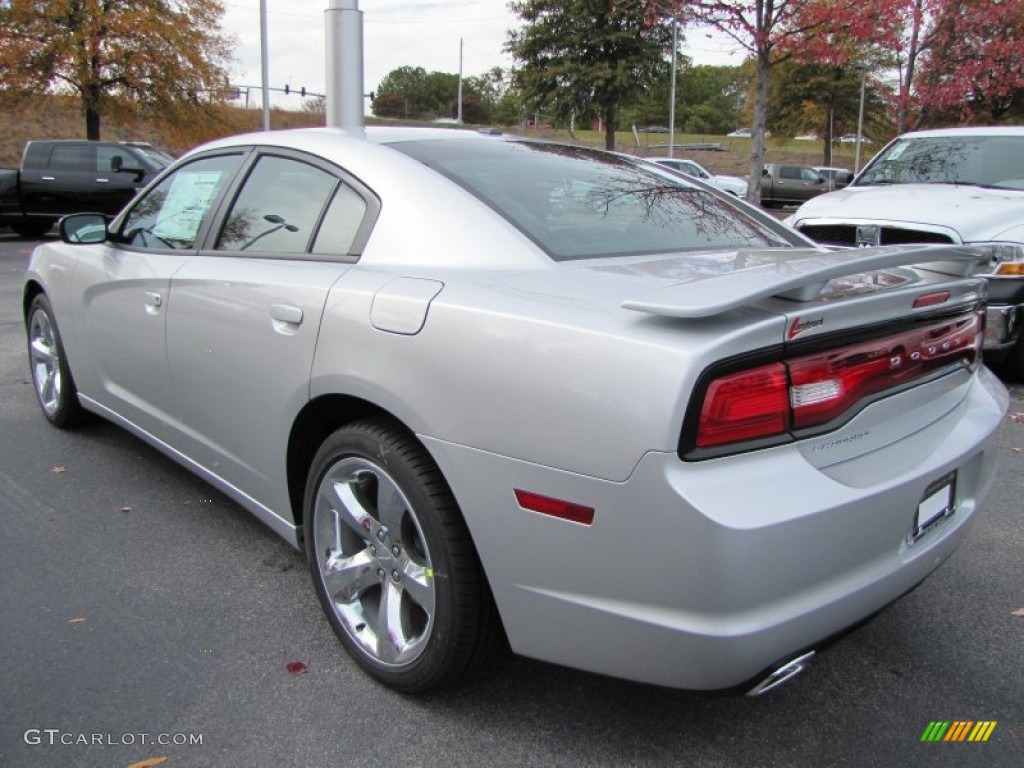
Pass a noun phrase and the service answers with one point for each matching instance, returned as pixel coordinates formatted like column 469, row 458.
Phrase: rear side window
column 73, row 157
column 278, row 208
column 171, row 214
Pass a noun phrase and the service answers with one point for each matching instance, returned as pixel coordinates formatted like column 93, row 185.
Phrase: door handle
column 103, row 181
column 153, row 299
column 286, row 313
column 49, row 178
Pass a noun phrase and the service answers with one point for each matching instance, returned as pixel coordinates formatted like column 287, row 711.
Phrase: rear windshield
column 576, row 203
column 982, row 161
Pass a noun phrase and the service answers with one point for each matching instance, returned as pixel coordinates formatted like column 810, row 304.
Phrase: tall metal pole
column 860, row 127
column 264, row 65
column 459, row 116
column 344, row 98
column 672, row 95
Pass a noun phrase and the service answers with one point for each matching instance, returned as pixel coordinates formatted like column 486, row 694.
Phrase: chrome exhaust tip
column 782, row 674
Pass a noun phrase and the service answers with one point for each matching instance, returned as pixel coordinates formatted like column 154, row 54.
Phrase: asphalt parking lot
column 143, row 612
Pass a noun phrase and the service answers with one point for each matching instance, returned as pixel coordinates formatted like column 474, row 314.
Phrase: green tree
column 412, row 92
column 825, row 99
column 166, row 56
column 581, row 57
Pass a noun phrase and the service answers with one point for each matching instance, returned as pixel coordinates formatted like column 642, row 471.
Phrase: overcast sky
column 419, row 33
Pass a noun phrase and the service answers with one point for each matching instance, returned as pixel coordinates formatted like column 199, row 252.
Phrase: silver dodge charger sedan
column 502, row 388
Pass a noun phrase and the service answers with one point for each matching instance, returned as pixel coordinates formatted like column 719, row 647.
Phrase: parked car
column 790, row 184
column 836, row 178
column 61, row 177
column 851, row 138
column 741, row 133
column 951, row 186
column 731, row 184
column 499, row 386
column 655, row 129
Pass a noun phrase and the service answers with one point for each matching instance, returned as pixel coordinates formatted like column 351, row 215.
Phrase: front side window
column 172, row 213
column 278, row 207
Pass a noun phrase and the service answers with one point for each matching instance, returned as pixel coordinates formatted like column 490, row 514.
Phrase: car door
column 123, row 287
column 244, row 316
column 811, row 184
column 120, row 173
column 61, row 180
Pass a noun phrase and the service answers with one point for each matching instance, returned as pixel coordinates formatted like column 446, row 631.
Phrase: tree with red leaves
column 772, row 31
column 956, row 58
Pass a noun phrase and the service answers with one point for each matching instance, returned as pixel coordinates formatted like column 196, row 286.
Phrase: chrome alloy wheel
column 45, row 360
column 373, row 559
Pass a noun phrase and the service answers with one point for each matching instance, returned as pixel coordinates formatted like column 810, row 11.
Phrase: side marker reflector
column 546, row 505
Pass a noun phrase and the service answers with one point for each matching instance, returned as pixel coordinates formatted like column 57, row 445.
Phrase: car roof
column 992, row 130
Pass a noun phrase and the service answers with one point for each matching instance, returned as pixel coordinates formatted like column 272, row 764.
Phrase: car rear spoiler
column 800, row 278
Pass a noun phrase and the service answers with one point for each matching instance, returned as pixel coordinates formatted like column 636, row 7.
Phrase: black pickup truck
column 60, row 177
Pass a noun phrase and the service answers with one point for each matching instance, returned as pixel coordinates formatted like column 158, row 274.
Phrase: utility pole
column 264, row 65
column 860, row 127
column 672, row 94
column 459, row 115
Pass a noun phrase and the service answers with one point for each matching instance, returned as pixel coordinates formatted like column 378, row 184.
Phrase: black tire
column 52, row 381
column 408, row 599
column 32, row 228
column 1013, row 365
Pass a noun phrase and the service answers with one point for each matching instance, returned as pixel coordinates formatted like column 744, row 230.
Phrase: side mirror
column 116, row 163
column 821, row 179
column 81, row 228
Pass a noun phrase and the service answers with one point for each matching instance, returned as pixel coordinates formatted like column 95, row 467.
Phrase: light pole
column 860, row 126
column 264, row 65
column 672, row 95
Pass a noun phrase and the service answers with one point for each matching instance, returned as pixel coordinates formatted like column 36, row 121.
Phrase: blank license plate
column 936, row 504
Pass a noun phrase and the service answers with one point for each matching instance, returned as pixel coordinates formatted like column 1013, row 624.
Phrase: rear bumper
column 702, row 575
column 1002, row 329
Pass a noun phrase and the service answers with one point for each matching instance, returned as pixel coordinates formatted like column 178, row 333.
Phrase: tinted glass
column 340, row 225
column 105, row 157
column 578, row 204
column 172, row 213
column 984, row 161
column 73, row 157
column 278, row 207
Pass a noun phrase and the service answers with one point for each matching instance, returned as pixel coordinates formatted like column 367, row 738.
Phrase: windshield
column 157, row 157
column 576, row 203
column 983, row 161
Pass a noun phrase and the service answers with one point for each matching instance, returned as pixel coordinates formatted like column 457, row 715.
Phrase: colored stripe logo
column 958, row 730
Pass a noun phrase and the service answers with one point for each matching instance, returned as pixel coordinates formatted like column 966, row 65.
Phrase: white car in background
column 731, row 184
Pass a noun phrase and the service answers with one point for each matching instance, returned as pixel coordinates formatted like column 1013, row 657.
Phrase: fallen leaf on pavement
column 297, row 667
column 76, row 621
column 126, row 509
column 149, row 762
column 1019, row 612
column 1017, row 450
column 58, row 468
column 1018, row 417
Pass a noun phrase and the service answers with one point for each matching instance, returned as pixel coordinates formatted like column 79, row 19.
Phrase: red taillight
column 745, row 406
column 817, row 389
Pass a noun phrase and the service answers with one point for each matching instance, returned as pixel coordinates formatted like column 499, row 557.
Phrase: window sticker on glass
column 188, row 200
